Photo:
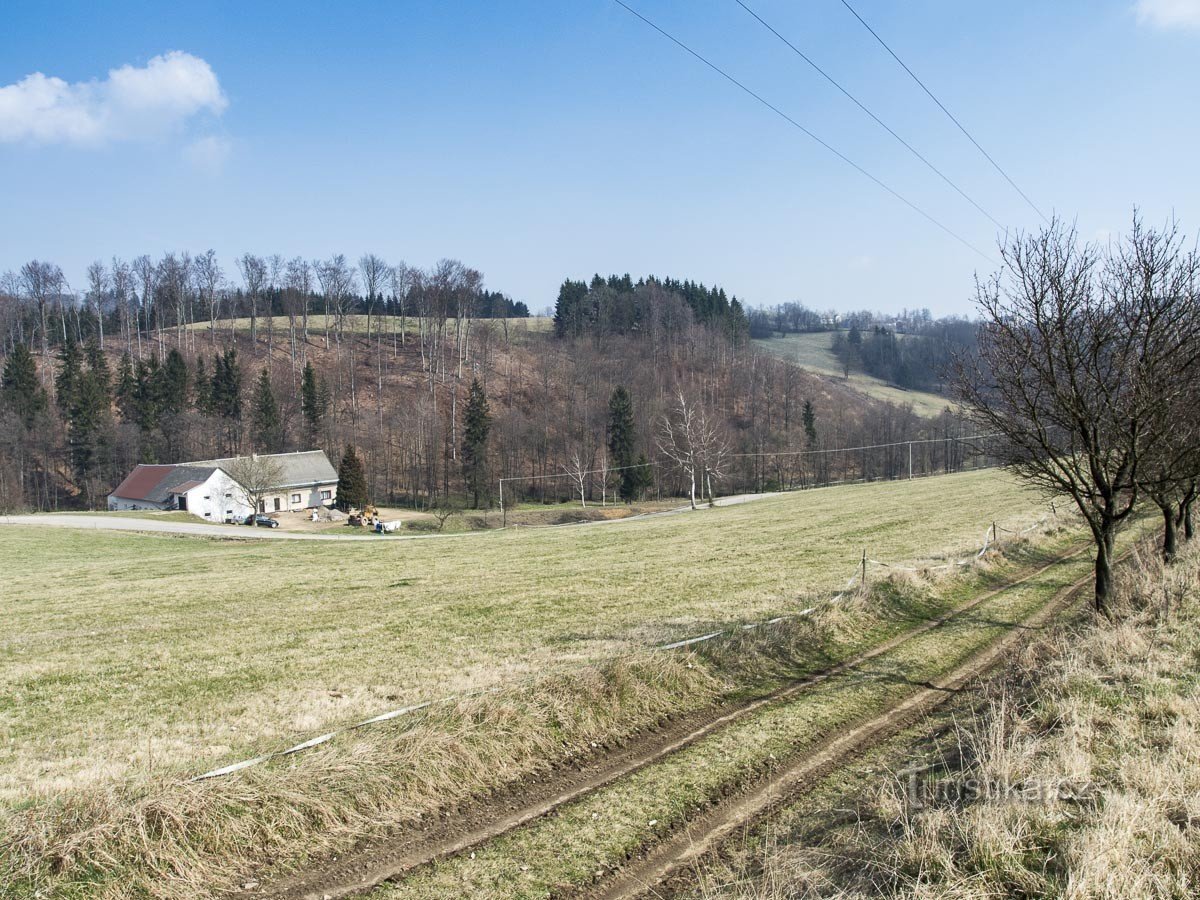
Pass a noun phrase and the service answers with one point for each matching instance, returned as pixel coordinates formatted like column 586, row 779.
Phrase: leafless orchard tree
column 1069, row 371
column 1156, row 285
column 255, row 476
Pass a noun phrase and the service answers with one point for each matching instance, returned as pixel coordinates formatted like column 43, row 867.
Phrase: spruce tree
column 266, row 425
column 88, row 438
column 126, row 394
column 810, row 423
column 175, row 378
column 202, row 388
column 66, row 383
column 98, row 364
column 312, row 403
column 477, row 422
column 621, row 442
column 19, row 388
column 352, row 481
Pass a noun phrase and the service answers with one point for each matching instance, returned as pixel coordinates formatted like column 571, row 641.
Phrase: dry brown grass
column 161, row 837
column 1095, row 730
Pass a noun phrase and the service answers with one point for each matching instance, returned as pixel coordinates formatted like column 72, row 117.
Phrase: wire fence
column 857, row 580
column 768, row 471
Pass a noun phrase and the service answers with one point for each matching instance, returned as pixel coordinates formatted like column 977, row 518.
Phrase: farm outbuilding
column 205, row 488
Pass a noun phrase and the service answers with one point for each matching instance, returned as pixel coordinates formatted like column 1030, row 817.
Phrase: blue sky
column 539, row 140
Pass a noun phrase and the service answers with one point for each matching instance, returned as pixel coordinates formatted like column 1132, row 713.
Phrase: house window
column 278, row 504
column 295, row 498
column 262, row 506
column 326, row 495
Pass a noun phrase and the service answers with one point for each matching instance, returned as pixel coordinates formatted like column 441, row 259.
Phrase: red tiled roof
column 185, row 487
column 141, row 482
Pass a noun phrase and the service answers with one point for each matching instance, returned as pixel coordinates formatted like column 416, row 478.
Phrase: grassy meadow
column 125, row 653
column 812, row 351
column 1087, row 746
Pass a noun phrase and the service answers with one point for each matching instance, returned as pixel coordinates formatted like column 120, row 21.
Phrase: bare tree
column 1155, row 284
column 678, row 438
column 375, row 274
column 209, row 278
column 256, row 477
column 42, row 281
column 124, row 298
column 402, row 284
column 97, row 291
column 337, row 288
column 147, row 274
column 1062, row 373
column 578, row 470
column 254, row 276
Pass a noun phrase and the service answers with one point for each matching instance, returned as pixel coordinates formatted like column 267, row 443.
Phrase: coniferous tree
column 175, row 378
column 19, row 388
column 266, row 425
column 126, row 393
column 227, row 397
column 809, row 417
column 621, row 442
column 641, row 478
column 89, row 439
column 477, row 423
column 313, row 403
column 98, row 365
column 66, row 383
column 352, row 481
column 202, row 388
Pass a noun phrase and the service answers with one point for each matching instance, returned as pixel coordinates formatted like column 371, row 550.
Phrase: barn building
column 206, row 489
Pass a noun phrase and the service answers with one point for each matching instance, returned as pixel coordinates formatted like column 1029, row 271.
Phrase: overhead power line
column 942, row 107
column 795, row 124
column 911, row 149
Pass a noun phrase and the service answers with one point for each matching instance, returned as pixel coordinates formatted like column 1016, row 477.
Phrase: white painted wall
column 116, row 504
column 217, row 500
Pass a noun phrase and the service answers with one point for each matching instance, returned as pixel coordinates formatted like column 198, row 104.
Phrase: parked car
column 261, row 521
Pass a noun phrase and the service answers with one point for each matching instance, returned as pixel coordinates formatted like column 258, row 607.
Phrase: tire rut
column 388, row 858
column 669, row 865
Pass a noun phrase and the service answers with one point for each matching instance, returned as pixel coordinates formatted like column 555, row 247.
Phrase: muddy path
column 456, row 831
column 671, row 866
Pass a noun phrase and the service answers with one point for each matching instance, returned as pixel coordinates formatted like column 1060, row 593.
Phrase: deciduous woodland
column 166, row 360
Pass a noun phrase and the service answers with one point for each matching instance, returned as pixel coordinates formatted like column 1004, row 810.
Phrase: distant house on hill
column 207, row 489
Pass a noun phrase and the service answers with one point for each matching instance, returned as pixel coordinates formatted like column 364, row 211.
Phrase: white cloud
column 130, row 104
column 1169, row 13
column 208, row 153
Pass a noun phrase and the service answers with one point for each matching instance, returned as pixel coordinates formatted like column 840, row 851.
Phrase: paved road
column 101, row 522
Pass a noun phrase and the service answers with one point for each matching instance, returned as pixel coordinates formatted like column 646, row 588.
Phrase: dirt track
column 675, row 858
column 381, row 861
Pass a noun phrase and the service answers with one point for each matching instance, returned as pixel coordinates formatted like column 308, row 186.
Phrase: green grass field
column 126, row 653
column 812, row 351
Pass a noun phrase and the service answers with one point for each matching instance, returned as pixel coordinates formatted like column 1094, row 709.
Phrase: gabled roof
column 156, row 484
column 302, row 469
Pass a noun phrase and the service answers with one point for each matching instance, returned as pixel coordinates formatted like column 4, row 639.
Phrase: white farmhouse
column 205, row 488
